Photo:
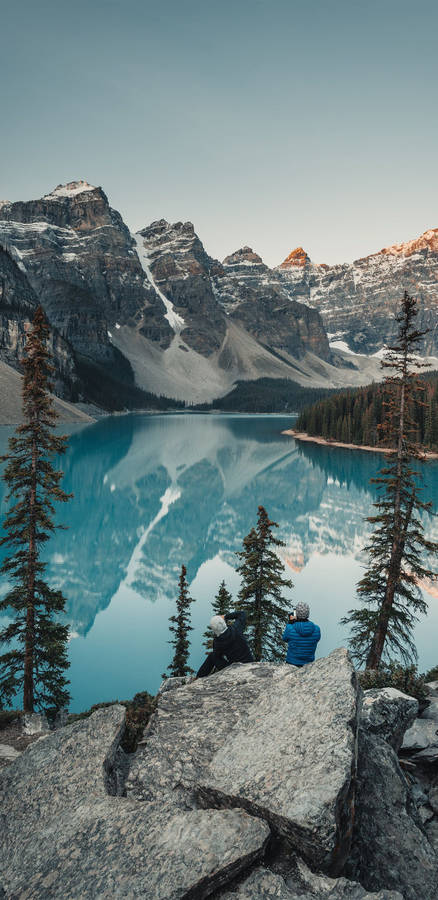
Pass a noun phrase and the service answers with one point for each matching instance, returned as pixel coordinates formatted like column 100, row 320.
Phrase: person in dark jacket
column 302, row 637
column 229, row 644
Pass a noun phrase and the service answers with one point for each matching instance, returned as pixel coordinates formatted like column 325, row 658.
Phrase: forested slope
column 354, row 416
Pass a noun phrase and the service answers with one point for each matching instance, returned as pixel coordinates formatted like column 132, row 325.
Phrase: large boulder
column 388, row 713
column 421, row 735
column 277, row 741
column 431, row 711
column 63, row 835
column 390, row 849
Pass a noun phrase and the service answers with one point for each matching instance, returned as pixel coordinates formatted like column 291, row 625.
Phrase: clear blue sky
column 272, row 123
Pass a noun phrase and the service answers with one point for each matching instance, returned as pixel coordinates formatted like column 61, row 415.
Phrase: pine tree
column 180, row 627
column 261, row 593
column 37, row 659
column 390, row 587
column 220, row 606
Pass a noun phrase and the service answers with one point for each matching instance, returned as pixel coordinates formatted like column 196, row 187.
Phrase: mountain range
column 151, row 313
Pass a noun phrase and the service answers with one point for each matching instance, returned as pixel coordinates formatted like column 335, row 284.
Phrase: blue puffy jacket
column 302, row 638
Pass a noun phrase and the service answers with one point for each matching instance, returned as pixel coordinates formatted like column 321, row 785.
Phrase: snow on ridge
column 175, row 321
column 341, row 345
column 71, row 189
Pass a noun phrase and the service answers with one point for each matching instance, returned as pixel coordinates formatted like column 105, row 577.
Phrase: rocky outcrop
column 237, row 778
column 64, row 835
column 389, row 848
column 420, row 742
column 244, row 741
column 388, row 713
column 358, row 300
column 419, row 756
column 279, row 772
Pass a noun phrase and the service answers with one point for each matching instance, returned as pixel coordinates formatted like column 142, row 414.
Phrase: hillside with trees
column 355, row 416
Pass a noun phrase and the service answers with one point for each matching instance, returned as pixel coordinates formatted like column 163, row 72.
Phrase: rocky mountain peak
column 427, row 241
column 297, row 258
column 244, row 256
column 164, row 232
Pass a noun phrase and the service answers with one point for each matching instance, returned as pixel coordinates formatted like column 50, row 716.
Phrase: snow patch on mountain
column 341, row 345
column 170, row 496
column 71, row 189
column 175, row 321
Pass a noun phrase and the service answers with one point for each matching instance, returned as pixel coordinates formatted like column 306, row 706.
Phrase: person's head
column 302, row 611
column 218, row 625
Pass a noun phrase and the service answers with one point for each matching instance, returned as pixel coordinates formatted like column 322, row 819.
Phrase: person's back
column 301, row 636
column 229, row 643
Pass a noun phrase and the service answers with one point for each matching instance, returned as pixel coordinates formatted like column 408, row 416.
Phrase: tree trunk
column 398, row 542
column 28, row 683
column 378, row 642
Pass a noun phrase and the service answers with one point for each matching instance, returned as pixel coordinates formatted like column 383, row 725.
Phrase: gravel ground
column 10, row 401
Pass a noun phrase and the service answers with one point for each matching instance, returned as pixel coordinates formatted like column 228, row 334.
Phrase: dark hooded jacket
column 302, row 638
column 228, row 647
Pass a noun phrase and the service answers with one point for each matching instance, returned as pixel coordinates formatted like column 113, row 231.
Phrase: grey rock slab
column 423, row 733
column 431, row 711
column 432, row 686
column 390, row 850
column 192, row 723
column 119, row 848
column 292, row 761
column 263, row 884
column 388, row 713
column 63, row 835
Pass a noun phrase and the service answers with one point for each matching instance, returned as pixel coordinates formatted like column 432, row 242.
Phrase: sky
column 268, row 123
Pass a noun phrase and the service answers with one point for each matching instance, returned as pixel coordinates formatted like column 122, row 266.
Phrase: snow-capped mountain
column 357, row 301
column 154, row 311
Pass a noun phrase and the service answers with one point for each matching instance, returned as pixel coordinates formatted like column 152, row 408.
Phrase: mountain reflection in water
column 153, row 492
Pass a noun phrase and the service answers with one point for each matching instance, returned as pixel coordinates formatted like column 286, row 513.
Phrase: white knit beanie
column 218, row 625
column 302, row 611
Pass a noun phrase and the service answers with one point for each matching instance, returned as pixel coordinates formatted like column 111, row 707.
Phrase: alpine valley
column 137, row 317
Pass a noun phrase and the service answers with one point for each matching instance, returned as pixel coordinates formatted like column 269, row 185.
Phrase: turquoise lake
column 153, row 492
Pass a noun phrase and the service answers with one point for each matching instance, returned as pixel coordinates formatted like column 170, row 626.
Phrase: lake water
column 153, row 492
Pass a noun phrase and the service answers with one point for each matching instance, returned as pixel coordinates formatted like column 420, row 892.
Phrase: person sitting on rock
column 302, row 637
column 229, row 644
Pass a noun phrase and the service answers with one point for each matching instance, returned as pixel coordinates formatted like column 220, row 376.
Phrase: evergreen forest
column 356, row 416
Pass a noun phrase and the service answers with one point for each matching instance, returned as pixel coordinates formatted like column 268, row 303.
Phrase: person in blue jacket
column 302, row 636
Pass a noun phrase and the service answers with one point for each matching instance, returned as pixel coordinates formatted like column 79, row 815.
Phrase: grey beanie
column 218, row 625
column 302, row 610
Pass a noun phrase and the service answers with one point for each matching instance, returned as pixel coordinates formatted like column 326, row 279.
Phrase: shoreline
column 314, row 439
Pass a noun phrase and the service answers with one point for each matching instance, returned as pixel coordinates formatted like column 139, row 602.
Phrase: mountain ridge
column 154, row 310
